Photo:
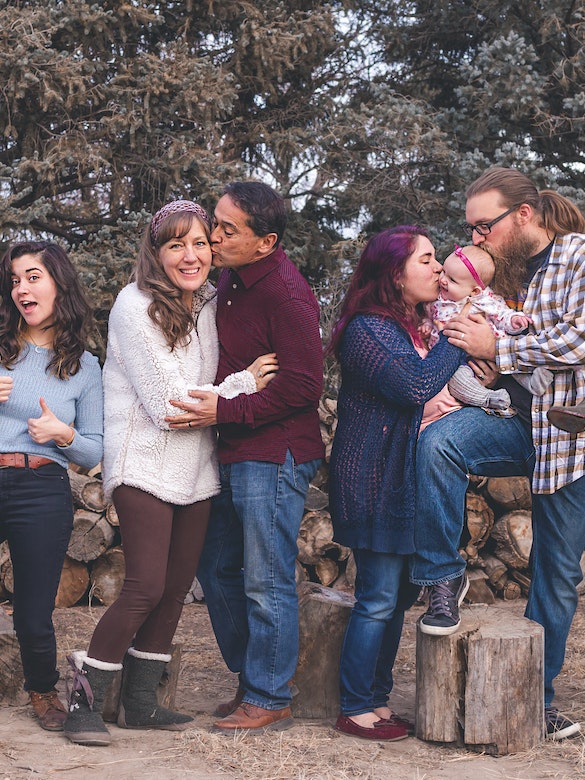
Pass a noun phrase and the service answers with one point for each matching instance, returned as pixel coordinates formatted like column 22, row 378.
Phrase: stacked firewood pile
column 495, row 543
column 496, row 540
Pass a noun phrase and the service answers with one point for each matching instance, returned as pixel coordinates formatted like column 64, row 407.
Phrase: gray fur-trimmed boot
column 139, row 707
column 84, row 724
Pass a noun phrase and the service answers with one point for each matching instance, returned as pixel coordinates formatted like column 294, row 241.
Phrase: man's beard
column 511, row 262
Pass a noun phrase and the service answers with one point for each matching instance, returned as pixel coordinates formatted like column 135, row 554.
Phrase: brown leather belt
column 19, row 460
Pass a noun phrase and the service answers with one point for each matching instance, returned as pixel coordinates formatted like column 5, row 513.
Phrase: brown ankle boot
column 49, row 710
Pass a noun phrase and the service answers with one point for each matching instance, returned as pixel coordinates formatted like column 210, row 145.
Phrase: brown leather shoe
column 49, row 710
column 248, row 716
column 227, row 707
column 568, row 418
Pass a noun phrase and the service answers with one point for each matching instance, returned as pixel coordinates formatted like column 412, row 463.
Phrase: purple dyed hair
column 375, row 285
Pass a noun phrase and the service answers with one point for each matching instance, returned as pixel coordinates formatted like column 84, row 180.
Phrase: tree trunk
column 483, row 685
column 327, row 571
column 323, row 616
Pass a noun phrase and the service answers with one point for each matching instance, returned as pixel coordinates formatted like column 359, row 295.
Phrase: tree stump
column 165, row 694
column 482, row 686
column 323, row 616
column 11, row 675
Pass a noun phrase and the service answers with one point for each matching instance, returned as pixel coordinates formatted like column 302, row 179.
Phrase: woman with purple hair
column 389, row 380
column 162, row 342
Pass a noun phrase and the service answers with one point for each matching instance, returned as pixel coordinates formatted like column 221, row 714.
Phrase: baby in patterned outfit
column 465, row 278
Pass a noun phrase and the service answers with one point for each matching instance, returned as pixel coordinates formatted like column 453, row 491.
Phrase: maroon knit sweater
column 269, row 307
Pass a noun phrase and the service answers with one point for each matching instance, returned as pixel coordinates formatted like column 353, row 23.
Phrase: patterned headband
column 173, row 208
column 469, row 265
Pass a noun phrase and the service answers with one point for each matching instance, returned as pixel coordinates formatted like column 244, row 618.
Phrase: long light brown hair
column 167, row 309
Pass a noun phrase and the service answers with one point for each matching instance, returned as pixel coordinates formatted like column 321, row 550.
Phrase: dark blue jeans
column 558, row 531
column 247, row 572
column 373, row 633
column 36, row 517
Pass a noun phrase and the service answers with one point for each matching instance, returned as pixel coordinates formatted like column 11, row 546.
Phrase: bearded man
column 537, row 243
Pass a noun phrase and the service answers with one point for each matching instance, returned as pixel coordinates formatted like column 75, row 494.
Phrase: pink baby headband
column 469, row 265
column 173, row 208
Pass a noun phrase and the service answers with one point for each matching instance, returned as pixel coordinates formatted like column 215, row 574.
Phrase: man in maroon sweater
column 269, row 449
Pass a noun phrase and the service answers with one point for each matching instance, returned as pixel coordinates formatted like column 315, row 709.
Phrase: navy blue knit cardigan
column 384, row 386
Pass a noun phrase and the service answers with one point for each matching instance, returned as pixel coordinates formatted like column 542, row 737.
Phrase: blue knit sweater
column 77, row 400
column 385, row 384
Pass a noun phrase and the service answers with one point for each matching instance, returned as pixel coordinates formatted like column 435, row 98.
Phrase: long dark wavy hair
column 72, row 320
column 167, row 309
column 375, row 286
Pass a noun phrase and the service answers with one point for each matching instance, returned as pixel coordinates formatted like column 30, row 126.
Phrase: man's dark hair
column 265, row 208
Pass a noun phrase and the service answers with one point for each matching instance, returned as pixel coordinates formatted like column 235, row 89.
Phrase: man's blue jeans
column 467, row 441
column 247, row 572
column 558, row 531
column 36, row 517
column 373, row 632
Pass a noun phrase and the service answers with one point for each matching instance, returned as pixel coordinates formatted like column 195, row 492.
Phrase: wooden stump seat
column 482, row 686
column 323, row 616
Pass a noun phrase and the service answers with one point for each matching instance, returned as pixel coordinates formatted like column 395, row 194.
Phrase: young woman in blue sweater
column 51, row 412
column 389, row 378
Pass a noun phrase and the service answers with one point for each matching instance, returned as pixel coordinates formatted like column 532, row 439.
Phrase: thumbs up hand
column 48, row 427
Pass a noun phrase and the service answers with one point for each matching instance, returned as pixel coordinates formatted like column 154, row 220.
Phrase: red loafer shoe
column 390, row 732
column 396, row 720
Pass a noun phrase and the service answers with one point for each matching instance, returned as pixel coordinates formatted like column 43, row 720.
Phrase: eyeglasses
column 484, row 228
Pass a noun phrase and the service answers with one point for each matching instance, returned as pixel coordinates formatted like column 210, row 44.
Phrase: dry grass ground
column 312, row 750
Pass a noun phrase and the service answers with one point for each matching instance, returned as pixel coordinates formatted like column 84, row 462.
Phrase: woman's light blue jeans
column 371, row 641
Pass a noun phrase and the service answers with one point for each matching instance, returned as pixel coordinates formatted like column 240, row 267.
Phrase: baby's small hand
column 520, row 321
column 425, row 329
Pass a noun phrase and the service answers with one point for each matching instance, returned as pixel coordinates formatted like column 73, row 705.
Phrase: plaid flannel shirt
column 556, row 340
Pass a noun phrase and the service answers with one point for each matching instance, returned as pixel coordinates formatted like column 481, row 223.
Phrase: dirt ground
column 311, row 750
